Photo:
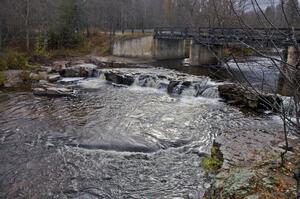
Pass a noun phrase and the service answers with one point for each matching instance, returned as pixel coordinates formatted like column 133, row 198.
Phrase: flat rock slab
column 70, row 80
column 53, row 77
column 53, row 92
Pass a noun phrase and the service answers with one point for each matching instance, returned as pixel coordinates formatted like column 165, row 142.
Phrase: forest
column 23, row 21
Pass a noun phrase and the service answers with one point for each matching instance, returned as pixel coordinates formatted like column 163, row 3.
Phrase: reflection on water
column 110, row 142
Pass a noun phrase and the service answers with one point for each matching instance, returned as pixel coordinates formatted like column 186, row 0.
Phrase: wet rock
column 145, row 80
column 117, row 78
column 187, row 83
column 53, row 91
column 174, row 87
column 177, row 86
column 53, row 78
column 237, row 95
column 81, row 70
column 201, row 88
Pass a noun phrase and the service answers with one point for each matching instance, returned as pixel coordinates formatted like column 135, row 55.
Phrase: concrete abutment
column 150, row 48
column 205, row 55
column 166, row 48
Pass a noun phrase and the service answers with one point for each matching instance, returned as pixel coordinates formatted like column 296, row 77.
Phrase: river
column 113, row 141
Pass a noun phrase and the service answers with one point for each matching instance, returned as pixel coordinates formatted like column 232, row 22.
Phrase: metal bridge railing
column 280, row 36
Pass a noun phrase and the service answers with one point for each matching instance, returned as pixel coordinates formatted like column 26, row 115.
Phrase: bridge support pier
column 287, row 87
column 204, row 55
column 168, row 49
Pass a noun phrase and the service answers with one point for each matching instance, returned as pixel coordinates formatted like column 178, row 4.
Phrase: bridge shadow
column 216, row 72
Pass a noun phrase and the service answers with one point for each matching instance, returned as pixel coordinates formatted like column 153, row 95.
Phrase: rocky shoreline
column 47, row 81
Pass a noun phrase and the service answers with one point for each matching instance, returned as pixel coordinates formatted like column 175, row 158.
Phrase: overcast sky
column 265, row 3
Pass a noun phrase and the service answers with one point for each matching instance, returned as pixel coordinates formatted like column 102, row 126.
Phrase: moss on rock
column 215, row 161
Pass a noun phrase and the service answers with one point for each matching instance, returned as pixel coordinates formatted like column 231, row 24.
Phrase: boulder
column 59, row 66
column 118, row 78
column 237, row 95
column 172, row 86
column 13, row 78
column 81, row 70
column 176, row 87
column 43, row 75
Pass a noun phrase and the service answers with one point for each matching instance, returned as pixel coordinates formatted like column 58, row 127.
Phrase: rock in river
column 118, row 78
column 53, row 91
column 247, row 97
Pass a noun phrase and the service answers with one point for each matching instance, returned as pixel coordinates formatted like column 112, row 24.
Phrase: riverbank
column 254, row 171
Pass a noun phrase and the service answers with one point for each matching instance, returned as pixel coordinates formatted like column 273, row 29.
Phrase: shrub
column 2, row 63
column 238, row 52
column 12, row 60
column 16, row 61
column 67, row 32
column 64, row 38
column 53, row 39
column 215, row 161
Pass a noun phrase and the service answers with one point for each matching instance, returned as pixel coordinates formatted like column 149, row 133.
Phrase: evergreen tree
column 67, row 34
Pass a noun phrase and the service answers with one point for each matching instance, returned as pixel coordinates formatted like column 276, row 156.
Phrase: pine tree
column 67, row 34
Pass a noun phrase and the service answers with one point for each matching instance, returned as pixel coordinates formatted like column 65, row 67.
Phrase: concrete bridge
column 206, row 45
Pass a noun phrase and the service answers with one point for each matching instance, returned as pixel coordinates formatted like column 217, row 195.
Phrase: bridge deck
column 220, row 36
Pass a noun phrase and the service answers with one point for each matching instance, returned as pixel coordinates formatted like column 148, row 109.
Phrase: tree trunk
column 297, row 177
column 0, row 37
column 27, row 25
column 88, row 31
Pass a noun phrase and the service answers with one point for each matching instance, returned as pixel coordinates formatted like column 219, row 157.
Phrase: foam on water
column 93, row 83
